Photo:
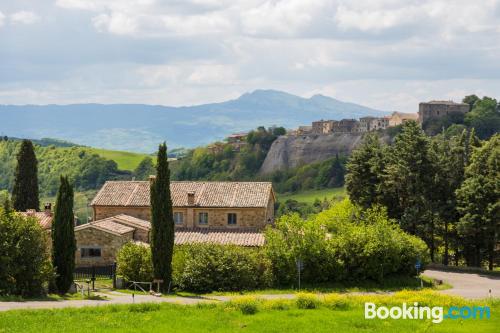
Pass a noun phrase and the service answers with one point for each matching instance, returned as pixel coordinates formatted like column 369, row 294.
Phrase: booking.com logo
column 436, row 313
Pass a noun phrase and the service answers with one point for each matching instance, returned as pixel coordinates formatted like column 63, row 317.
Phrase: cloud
column 386, row 53
column 2, row 18
column 24, row 17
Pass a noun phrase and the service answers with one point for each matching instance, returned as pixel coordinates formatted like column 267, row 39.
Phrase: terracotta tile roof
column 207, row 194
column 219, row 236
column 108, row 226
column 130, row 221
column 44, row 218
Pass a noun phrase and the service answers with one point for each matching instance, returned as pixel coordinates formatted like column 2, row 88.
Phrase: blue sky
column 385, row 54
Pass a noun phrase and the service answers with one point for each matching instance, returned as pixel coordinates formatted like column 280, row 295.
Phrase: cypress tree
column 25, row 191
column 63, row 237
column 162, row 222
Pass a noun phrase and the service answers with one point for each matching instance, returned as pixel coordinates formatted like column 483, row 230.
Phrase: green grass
column 51, row 298
column 310, row 195
column 307, row 313
column 125, row 160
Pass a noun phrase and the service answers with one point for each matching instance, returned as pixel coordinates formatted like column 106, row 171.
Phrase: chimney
column 190, row 198
column 48, row 208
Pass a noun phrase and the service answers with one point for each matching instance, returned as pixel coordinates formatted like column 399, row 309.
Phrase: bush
column 343, row 243
column 25, row 266
column 247, row 305
column 134, row 262
column 307, row 301
column 212, row 267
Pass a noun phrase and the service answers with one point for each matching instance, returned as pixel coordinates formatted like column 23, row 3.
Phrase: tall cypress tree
column 162, row 222
column 25, row 191
column 63, row 237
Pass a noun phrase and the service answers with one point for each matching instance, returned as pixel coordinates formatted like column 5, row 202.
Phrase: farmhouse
column 99, row 241
column 231, row 205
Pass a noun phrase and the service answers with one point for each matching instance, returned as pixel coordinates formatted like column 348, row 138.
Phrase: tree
column 479, row 203
column 364, row 168
column 408, row 181
column 25, row 191
column 63, row 237
column 471, row 100
column 145, row 169
column 484, row 117
column 25, row 267
column 162, row 221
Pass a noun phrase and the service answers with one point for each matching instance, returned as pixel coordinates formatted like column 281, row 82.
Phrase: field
column 125, row 160
column 310, row 195
column 307, row 313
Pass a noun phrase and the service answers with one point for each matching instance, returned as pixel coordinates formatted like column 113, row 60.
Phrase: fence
column 95, row 273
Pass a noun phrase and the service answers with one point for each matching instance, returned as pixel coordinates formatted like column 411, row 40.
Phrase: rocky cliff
column 292, row 151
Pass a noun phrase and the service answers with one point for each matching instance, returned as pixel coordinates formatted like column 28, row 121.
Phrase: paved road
column 468, row 285
column 110, row 298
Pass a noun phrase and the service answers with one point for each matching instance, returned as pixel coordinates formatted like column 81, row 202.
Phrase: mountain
column 138, row 127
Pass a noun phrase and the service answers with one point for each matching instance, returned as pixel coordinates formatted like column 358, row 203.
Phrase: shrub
column 209, row 267
column 342, row 243
column 134, row 262
column 247, row 305
column 336, row 302
column 307, row 301
column 25, row 267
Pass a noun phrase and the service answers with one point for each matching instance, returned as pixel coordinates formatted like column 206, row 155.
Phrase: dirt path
column 468, row 285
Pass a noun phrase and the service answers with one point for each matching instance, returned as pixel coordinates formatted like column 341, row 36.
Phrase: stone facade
column 108, row 244
column 398, row 118
column 323, row 126
column 217, row 217
column 436, row 109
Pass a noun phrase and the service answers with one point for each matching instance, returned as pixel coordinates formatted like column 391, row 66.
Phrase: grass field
column 307, row 313
column 311, row 195
column 125, row 160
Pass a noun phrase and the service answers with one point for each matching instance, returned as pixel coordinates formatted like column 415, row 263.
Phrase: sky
column 384, row 54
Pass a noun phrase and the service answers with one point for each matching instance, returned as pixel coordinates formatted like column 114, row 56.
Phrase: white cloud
column 24, row 17
column 2, row 18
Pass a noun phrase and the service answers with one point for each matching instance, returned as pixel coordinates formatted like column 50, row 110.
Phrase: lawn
column 125, row 160
column 310, row 195
column 329, row 313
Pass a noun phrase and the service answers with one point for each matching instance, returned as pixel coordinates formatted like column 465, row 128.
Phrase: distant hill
column 136, row 127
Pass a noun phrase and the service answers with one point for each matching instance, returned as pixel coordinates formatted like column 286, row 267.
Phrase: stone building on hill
column 398, row 118
column 436, row 109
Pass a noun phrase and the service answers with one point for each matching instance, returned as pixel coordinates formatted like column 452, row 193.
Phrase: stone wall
column 217, row 217
column 436, row 110
column 95, row 238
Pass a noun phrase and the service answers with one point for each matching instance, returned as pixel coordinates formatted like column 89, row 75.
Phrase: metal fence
column 95, row 273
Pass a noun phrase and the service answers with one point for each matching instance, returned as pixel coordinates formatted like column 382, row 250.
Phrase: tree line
column 444, row 189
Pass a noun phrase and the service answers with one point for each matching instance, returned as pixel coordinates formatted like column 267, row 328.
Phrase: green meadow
column 306, row 313
column 125, row 160
column 310, row 195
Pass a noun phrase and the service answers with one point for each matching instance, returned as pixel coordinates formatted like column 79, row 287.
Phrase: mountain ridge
column 140, row 127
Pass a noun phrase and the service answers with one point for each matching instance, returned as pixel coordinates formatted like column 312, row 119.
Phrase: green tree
column 25, row 267
column 364, row 169
column 25, row 191
column 484, row 117
column 63, row 237
column 471, row 100
column 408, row 183
column 162, row 222
column 144, row 169
column 479, row 203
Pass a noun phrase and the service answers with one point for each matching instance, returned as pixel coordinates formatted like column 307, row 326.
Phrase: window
column 231, row 218
column 178, row 218
column 203, row 218
column 90, row 252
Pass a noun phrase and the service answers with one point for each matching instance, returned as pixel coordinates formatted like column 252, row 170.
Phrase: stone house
column 98, row 242
column 436, row 109
column 304, row 130
column 228, row 205
column 345, row 126
column 398, row 118
column 323, row 126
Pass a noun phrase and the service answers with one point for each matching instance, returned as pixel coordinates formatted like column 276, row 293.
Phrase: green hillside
column 310, row 195
column 124, row 159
